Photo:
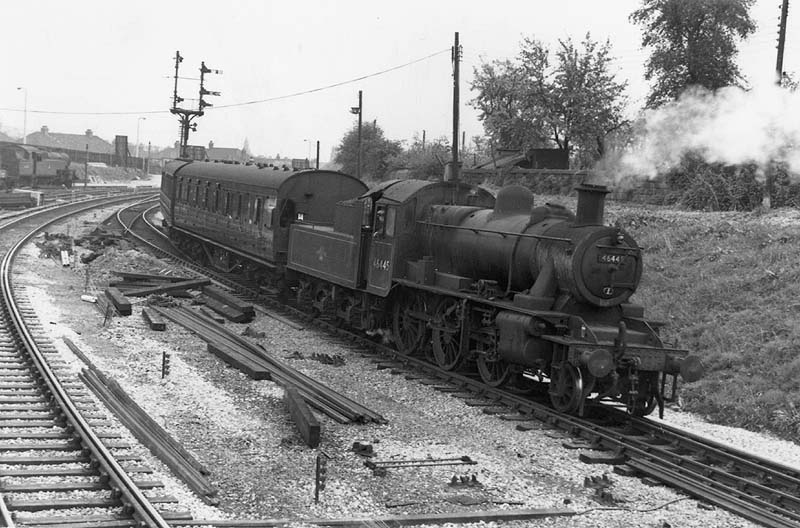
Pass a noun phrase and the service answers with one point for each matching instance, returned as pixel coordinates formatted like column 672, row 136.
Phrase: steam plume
column 729, row 126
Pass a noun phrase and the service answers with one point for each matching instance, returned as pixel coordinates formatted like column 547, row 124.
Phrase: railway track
column 60, row 462
column 755, row 488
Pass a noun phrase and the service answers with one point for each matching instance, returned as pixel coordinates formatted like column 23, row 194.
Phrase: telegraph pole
column 360, row 114
column 358, row 110
column 317, row 160
column 781, row 41
column 456, row 57
column 769, row 180
column 86, row 169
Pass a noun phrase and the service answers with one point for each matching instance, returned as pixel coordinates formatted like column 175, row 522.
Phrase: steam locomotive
column 521, row 294
column 29, row 166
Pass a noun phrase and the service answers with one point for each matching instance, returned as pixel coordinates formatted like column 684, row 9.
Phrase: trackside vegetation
column 728, row 286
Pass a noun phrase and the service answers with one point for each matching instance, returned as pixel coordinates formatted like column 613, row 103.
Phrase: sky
column 108, row 66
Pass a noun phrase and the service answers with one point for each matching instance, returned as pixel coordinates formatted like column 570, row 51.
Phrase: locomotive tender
column 469, row 281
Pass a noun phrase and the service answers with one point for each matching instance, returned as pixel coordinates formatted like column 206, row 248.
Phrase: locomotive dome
column 514, row 199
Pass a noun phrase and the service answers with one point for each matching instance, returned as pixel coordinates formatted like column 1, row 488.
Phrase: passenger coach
column 238, row 215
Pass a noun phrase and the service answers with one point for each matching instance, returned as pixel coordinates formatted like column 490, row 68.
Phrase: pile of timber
column 258, row 364
column 227, row 305
column 143, row 284
column 146, row 430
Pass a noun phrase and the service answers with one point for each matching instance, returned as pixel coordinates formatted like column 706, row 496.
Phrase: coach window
column 206, row 192
column 228, row 204
column 238, row 206
column 271, row 201
column 217, row 197
column 179, row 194
column 258, row 212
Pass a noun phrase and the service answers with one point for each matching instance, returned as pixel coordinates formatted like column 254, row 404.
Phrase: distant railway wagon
column 30, row 166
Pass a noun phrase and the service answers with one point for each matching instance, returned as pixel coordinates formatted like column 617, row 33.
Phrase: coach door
column 381, row 251
column 286, row 216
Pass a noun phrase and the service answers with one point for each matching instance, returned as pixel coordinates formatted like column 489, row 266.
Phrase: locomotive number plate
column 610, row 258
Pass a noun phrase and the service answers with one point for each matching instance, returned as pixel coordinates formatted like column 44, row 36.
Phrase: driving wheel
column 566, row 388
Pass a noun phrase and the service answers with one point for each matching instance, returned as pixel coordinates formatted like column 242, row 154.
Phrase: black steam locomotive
column 518, row 292
column 30, row 166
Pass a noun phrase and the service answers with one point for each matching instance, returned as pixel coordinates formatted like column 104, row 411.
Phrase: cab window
column 385, row 220
column 391, row 219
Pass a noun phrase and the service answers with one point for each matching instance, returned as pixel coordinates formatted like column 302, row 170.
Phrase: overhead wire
column 257, row 101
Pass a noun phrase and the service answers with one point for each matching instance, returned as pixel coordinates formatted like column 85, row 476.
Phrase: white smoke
column 729, row 126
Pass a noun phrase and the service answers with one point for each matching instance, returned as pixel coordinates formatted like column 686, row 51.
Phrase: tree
column 693, row 43
column 423, row 162
column 790, row 81
column 376, row 151
column 572, row 105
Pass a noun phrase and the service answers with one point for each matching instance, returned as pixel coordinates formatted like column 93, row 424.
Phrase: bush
column 785, row 193
column 698, row 184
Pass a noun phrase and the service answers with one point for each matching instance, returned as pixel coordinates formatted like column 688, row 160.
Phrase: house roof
column 70, row 141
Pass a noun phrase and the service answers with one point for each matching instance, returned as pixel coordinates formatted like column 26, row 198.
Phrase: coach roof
column 248, row 175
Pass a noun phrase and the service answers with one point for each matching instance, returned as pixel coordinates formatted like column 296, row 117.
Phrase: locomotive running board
column 552, row 316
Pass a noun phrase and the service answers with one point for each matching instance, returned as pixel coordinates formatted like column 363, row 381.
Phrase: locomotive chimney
column 591, row 202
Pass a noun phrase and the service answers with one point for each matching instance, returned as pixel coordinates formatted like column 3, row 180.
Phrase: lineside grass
column 728, row 285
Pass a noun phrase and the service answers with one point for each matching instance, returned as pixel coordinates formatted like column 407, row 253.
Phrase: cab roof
column 400, row 191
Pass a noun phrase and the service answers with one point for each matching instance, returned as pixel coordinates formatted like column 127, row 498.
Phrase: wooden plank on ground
column 133, row 276
column 120, row 302
column 303, row 418
column 444, row 518
column 181, row 294
column 230, row 313
column 121, row 284
column 166, row 288
column 231, row 300
column 212, row 315
column 232, row 357
column 401, row 520
column 153, row 319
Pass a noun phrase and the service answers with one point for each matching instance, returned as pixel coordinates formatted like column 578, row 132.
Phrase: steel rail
column 723, row 452
column 643, row 456
column 142, row 510
column 639, row 452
